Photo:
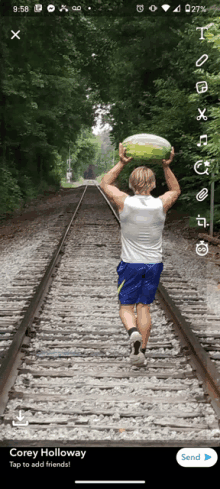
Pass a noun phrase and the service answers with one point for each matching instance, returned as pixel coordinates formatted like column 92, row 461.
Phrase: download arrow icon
column 20, row 417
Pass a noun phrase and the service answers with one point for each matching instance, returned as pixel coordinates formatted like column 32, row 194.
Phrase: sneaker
column 135, row 342
column 138, row 360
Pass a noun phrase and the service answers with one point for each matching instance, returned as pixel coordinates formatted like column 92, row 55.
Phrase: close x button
column 15, row 35
column 197, row 457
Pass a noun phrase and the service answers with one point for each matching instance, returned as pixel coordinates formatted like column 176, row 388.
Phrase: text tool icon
column 202, row 30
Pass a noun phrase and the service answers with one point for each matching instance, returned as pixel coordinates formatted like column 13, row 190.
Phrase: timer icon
column 202, row 248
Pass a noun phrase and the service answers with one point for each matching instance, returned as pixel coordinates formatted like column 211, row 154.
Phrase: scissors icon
column 202, row 115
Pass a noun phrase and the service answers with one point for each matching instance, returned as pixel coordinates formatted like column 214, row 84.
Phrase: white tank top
column 142, row 222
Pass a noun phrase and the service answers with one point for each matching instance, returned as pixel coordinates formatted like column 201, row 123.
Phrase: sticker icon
column 202, row 195
column 201, row 87
column 202, row 248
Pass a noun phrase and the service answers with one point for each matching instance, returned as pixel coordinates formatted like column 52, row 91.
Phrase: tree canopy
column 141, row 68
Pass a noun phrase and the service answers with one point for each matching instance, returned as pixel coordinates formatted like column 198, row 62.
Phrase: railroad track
column 66, row 371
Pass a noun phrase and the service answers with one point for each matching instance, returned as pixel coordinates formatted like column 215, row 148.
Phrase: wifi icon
column 165, row 7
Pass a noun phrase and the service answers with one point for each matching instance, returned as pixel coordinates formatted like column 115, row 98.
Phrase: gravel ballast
column 178, row 253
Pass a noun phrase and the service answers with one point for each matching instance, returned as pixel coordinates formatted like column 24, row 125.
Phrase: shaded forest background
column 140, row 70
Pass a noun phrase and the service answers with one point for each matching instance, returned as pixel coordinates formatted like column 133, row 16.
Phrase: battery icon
column 187, row 8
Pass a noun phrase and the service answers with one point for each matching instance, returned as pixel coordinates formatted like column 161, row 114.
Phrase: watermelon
column 147, row 147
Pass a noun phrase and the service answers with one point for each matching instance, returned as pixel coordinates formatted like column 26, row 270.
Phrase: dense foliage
column 156, row 93
column 141, row 68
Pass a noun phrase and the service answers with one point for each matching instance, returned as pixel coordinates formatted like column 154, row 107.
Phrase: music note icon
column 203, row 137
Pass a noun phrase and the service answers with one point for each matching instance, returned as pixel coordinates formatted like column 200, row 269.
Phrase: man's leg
column 129, row 320
column 144, row 322
column 128, row 316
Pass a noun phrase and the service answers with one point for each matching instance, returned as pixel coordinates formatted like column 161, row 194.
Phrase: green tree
column 83, row 152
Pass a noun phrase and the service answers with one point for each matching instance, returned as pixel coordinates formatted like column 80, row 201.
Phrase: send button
column 196, row 457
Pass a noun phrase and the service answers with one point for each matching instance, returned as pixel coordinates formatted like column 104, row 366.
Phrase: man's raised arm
column 111, row 191
column 169, row 198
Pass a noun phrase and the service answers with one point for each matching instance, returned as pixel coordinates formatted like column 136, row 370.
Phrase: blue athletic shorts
column 138, row 282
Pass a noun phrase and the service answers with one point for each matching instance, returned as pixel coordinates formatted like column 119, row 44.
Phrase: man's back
column 142, row 222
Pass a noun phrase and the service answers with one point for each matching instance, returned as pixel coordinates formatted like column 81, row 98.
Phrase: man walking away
column 142, row 219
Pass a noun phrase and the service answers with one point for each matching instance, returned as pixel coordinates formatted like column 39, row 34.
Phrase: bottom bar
column 109, row 482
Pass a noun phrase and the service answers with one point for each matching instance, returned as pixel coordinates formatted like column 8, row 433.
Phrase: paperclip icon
column 202, row 194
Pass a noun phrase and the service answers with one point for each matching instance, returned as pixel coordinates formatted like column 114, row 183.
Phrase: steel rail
column 113, row 211
column 35, row 304
column 204, row 366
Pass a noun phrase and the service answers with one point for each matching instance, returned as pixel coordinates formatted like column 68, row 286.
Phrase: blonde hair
column 141, row 179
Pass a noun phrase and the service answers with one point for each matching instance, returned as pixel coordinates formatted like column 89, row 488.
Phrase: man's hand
column 167, row 162
column 122, row 155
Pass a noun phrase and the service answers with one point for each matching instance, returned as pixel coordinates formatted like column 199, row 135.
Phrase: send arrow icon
column 194, row 457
